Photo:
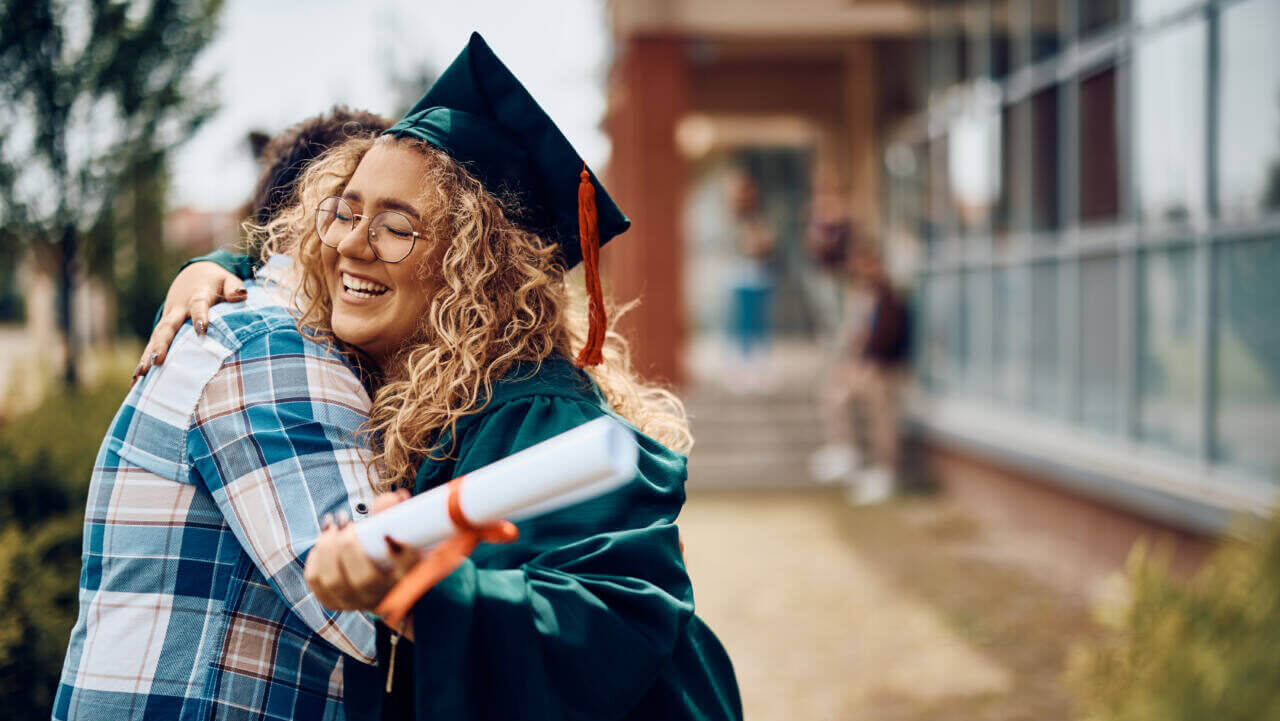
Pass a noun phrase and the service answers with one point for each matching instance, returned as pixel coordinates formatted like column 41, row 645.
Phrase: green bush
column 47, row 454
column 46, row 458
column 1204, row 650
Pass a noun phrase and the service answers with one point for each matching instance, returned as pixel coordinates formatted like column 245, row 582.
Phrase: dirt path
column 888, row 613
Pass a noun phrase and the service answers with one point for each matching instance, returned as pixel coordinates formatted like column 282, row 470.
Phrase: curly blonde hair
column 500, row 298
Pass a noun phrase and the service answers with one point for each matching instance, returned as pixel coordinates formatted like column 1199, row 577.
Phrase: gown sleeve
column 238, row 264
column 579, row 617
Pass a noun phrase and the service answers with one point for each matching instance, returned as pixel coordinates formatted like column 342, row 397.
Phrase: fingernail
column 393, row 544
column 200, row 325
column 343, row 518
column 326, row 521
column 155, row 358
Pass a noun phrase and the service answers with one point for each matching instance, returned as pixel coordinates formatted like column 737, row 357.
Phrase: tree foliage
column 93, row 96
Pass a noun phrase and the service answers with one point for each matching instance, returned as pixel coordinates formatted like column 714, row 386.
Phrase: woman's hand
column 342, row 577
column 197, row 287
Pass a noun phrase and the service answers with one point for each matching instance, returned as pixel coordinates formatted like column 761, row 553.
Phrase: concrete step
column 780, row 438
column 747, row 469
column 705, row 414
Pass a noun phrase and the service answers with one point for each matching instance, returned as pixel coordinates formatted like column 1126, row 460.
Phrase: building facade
column 1083, row 197
column 1096, row 188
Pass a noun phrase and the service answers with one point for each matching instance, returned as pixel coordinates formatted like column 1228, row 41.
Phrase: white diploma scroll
column 579, row 464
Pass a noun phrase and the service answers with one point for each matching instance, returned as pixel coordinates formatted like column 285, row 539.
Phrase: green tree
column 93, row 97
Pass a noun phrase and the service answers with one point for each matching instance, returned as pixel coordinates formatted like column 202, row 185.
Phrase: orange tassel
column 589, row 232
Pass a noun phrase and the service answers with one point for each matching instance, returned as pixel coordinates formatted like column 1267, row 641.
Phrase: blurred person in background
column 752, row 284
column 868, row 376
column 828, row 241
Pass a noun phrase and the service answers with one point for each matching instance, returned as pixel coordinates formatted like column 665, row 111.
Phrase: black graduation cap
column 484, row 118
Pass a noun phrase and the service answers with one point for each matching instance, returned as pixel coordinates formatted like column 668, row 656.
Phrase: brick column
column 864, row 155
column 647, row 96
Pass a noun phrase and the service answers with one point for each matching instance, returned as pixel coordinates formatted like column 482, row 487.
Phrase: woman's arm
column 202, row 282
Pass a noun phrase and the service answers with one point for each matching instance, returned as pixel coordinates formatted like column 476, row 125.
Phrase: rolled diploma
column 579, row 464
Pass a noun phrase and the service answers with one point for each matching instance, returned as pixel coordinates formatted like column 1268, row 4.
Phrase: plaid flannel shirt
column 204, row 501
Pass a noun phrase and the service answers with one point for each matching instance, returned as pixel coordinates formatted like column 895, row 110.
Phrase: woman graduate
column 436, row 254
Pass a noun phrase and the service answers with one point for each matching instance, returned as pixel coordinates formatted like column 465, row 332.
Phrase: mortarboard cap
column 480, row 115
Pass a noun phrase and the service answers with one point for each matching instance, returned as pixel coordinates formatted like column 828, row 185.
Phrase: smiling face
column 378, row 306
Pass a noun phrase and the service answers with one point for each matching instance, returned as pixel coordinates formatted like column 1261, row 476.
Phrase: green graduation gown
column 589, row 615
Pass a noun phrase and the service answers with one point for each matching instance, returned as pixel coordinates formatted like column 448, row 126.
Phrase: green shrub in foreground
column 46, row 458
column 1207, row 650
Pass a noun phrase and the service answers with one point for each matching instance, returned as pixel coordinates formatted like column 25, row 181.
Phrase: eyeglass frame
column 368, row 236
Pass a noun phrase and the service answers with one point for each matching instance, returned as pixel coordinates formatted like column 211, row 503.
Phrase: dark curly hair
column 285, row 156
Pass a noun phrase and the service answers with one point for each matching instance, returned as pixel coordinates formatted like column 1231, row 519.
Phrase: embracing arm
column 203, row 281
column 273, row 441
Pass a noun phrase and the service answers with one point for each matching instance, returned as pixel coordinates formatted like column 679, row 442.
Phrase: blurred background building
column 1082, row 195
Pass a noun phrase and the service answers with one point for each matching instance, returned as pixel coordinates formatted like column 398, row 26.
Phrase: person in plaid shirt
column 206, row 496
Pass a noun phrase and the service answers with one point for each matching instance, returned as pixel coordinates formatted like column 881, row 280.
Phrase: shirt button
column 362, row 508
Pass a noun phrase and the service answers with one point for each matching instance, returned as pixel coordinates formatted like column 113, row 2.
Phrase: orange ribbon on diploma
column 441, row 560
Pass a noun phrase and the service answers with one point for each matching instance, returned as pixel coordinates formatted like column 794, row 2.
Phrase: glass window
column 1168, row 355
column 920, row 319
column 1003, row 34
column 1169, row 124
column 1249, row 129
column 1099, row 188
column 941, row 208
column 948, row 53
column 1044, row 161
column 1248, row 356
column 1100, row 308
column 1099, row 14
column 1013, row 194
column 958, row 319
column 1045, row 366
column 1147, row 10
column 1009, row 363
column 976, row 39
column 946, row 330
column 919, row 192
column 978, row 301
column 1048, row 26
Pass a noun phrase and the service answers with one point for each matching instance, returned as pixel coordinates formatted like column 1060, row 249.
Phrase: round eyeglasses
column 391, row 235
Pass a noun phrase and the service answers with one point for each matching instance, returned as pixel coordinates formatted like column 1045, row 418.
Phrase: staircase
column 753, row 439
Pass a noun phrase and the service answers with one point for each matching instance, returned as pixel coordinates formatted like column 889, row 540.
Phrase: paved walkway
column 887, row 613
